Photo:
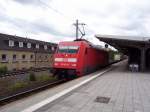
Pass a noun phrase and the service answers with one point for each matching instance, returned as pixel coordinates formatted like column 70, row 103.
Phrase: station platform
column 115, row 90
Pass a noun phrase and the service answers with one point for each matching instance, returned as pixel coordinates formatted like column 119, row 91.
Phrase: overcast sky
column 51, row 20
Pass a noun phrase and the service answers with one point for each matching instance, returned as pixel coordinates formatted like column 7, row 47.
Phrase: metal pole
column 142, row 59
column 77, row 28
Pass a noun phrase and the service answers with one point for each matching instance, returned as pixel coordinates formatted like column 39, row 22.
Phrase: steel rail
column 31, row 90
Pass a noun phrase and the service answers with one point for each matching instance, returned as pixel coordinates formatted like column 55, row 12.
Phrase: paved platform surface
column 128, row 92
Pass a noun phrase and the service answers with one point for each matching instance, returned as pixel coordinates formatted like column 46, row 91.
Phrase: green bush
column 45, row 78
column 32, row 76
column 18, row 85
column 3, row 70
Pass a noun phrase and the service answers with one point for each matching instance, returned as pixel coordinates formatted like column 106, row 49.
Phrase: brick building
column 17, row 53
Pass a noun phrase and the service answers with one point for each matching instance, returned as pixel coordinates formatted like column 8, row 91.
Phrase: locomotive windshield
column 68, row 49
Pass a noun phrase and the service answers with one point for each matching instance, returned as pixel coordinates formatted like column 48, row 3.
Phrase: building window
column 28, row 45
column 33, row 45
column 46, row 57
column 20, row 44
column 37, row 46
column 16, row 44
column 14, row 57
column 11, row 43
column 31, row 57
column 45, row 47
column 4, row 57
column 23, row 56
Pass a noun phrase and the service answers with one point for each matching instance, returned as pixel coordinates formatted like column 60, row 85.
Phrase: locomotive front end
column 65, row 60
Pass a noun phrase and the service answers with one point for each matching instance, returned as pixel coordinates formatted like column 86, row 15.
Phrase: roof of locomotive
column 79, row 41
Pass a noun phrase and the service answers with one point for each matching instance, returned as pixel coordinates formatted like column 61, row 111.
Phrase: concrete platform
column 128, row 92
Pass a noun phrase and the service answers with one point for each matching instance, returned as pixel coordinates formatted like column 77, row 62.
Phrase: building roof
column 4, row 44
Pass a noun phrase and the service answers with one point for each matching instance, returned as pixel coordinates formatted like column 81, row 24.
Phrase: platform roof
column 123, row 43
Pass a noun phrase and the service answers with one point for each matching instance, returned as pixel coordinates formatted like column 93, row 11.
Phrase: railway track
column 20, row 95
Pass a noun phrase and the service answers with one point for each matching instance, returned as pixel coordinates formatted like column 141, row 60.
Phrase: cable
column 55, row 10
column 67, row 17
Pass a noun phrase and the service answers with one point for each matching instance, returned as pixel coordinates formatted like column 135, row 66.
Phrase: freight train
column 78, row 58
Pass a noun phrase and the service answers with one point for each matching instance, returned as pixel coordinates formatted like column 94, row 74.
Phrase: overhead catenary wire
column 68, row 18
column 55, row 10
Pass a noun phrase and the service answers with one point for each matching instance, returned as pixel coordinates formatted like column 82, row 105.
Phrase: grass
column 32, row 76
column 43, row 78
column 3, row 70
column 32, row 79
column 18, row 85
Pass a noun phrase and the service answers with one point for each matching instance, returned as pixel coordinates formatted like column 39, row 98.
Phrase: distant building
column 17, row 53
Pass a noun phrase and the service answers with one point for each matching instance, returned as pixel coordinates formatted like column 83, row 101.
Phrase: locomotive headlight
column 74, row 65
column 58, row 59
column 72, row 59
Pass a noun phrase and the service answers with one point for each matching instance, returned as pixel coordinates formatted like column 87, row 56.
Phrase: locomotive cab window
column 68, row 49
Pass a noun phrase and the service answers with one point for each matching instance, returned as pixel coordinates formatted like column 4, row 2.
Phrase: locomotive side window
column 68, row 49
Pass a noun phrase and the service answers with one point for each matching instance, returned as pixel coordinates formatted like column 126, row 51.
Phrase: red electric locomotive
column 77, row 58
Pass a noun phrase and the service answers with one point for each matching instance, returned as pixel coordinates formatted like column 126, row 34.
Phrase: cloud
column 123, row 18
column 54, row 18
column 28, row 2
column 35, row 26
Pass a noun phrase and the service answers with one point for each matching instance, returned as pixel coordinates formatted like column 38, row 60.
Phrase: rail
column 32, row 90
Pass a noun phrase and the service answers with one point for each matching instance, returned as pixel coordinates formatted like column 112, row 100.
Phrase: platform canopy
column 137, row 48
column 123, row 43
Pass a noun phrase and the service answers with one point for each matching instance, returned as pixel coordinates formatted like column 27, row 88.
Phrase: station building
column 17, row 53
